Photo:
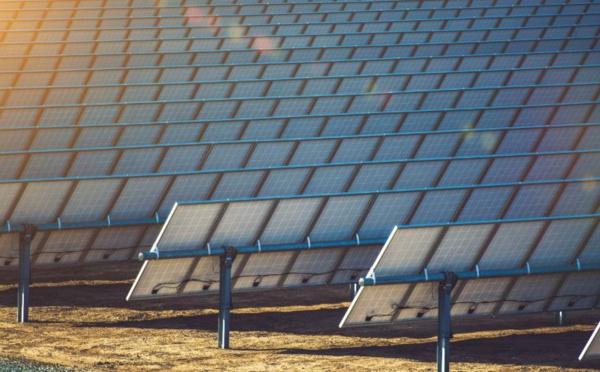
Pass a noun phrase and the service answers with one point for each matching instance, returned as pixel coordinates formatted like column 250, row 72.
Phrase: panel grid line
column 547, row 212
column 362, row 60
column 339, row 46
column 377, row 16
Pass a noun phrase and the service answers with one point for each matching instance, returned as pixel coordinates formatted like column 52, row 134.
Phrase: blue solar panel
column 430, row 249
column 446, row 89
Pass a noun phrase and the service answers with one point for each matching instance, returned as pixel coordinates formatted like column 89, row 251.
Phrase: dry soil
column 79, row 318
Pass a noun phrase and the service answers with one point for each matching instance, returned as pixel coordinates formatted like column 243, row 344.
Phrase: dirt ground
column 80, row 319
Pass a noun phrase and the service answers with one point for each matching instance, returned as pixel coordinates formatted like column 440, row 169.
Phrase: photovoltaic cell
column 329, row 180
column 40, row 203
column 61, row 246
column 116, row 244
column 264, row 270
column 314, row 267
column 182, row 234
column 459, row 247
column 90, row 201
column 355, row 264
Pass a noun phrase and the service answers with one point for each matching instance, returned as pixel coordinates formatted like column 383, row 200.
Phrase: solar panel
column 274, row 221
column 480, row 246
column 592, row 348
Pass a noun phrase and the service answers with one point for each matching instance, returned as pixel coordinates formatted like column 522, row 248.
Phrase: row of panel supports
column 225, row 296
column 445, row 288
column 446, row 282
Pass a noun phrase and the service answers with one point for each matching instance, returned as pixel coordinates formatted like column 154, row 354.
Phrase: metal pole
column 25, row 238
column 560, row 318
column 353, row 290
column 154, row 255
column 444, row 321
column 225, row 296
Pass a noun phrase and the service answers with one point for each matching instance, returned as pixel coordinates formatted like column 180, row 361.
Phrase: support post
column 444, row 321
column 560, row 318
column 225, row 296
column 353, row 290
column 25, row 239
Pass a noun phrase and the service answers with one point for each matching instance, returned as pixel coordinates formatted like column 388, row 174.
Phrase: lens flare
column 590, row 186
column 488, row 141
column 235, row 32
column 196, row 16
column 263, row 44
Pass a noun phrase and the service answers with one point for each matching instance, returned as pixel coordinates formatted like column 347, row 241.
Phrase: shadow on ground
column 113, row 295
column 317, row 311
column 558, row 350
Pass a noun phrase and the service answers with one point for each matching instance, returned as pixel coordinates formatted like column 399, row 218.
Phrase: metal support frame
column 193, row 253
column 445, row 320
column 202, row 252
column 225, row 303
column 480, row 274
column 25, row 238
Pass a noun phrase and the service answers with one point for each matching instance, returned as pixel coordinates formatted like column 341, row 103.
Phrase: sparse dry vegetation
column 79, row 318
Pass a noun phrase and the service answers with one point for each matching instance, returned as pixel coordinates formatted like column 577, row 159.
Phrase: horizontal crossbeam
column 479, row 274
column 218, row 251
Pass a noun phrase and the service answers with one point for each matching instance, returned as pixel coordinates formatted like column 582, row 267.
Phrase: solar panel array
column 115, row 110
column 510, row 244
column 333, row 218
